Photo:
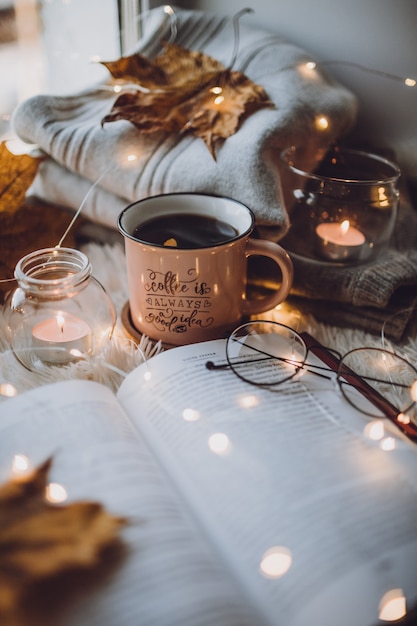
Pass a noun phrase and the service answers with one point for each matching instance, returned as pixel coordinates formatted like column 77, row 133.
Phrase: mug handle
column 256, row 247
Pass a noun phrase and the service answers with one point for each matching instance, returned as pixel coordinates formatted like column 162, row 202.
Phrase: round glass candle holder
column 344, row 210
column 59, row 312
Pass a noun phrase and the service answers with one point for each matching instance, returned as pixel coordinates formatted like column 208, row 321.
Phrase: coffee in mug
column 186, row 257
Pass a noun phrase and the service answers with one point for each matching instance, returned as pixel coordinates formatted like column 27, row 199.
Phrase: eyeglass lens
column 389, row 374
column 265, row 353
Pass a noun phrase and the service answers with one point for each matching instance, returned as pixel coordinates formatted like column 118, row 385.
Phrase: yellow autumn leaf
column 39, row 540
column 183, row 91
column 17, row 172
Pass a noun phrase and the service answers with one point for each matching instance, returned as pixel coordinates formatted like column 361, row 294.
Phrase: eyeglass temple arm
column 360, row 384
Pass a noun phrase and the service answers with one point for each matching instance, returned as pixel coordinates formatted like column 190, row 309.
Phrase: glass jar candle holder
column 59, row 312
column 344, row 210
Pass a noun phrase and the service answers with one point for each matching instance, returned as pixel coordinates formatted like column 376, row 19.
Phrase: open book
column 249, row 506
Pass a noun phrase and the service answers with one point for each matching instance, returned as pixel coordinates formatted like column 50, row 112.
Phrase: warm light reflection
column 410, row 82
column 20, row 464
column 276, row 562
column 219, row 443
column 218, row 100
column 382, row 197
column 55, row 492
column 8, row 390
column 311, row 65
column 131, row 157
column 392, row 606
column 375, row 430
column 77, row 354
column 190, row 415
column 248, row 401
column 388, row 444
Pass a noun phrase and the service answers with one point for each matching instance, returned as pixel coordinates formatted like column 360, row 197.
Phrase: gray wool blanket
column 88, row 163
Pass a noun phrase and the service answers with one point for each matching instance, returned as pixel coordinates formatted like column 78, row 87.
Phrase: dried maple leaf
column 39, row 540
column 184, row 91
column 16, row 175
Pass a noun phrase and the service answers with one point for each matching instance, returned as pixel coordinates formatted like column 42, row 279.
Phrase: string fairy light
column 314, row 65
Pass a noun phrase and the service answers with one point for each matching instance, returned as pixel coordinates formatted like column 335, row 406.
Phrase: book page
column 285, row 477
column 168, row 576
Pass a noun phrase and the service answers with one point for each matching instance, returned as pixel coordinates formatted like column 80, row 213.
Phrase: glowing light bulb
column 117, row 88
column 375, row 430
column 388, row 444
column 322, row 123
column 8, row 390
column 20, row 464
column 392, row 606
column 55, row 493
column 168, row 9
column 248, row 401
column 131, row 157
column 403, row 419
column 216, row 90
column 276, row 562
column 410, row 82
column 219, row 443
column 311, row 65
column 190, row 415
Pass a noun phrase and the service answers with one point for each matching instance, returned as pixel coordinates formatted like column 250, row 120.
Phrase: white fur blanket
column 122, row 355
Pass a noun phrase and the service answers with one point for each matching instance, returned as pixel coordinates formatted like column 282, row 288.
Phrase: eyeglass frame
column 333, row 359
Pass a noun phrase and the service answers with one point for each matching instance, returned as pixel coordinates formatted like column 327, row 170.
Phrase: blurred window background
column 51, row 46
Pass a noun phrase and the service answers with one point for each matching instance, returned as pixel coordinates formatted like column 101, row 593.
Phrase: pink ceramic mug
column 186, row 259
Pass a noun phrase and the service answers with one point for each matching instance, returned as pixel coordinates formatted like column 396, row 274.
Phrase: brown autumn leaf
column 17, row 172
column 184, row 91
column 39, row 540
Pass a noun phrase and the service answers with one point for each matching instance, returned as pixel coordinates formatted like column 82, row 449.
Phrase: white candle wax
column 339, row 241
column 54, row 338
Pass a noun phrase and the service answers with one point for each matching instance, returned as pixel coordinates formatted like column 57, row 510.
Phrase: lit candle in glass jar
column 339, row 241
column 57, row 339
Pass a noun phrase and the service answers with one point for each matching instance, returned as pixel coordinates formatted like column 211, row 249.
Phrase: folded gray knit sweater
column 69, row 130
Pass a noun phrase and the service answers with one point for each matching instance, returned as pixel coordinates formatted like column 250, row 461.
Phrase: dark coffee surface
column 184, row 230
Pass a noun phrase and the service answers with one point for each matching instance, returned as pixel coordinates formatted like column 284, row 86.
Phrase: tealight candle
column 339, row 241
column 58, row 339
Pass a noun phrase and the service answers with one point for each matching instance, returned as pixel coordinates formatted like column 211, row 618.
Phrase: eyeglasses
column 269, row 354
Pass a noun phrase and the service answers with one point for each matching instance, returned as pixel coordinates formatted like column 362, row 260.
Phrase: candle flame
column 344, row 227
column 60, row 320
